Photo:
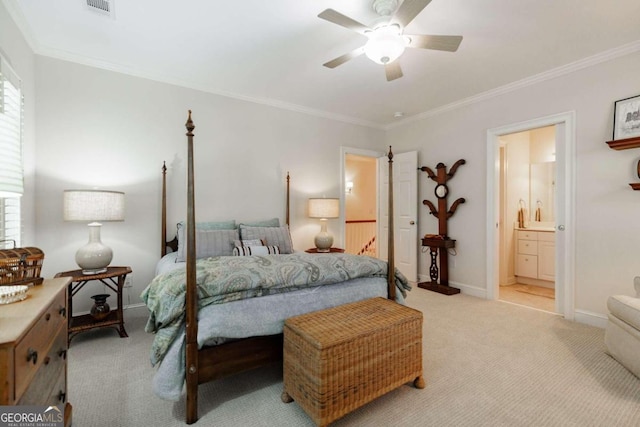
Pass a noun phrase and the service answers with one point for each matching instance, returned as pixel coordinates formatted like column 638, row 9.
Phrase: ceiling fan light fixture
column 385, row 44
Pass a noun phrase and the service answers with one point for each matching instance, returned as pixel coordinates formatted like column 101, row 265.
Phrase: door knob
column 561, row 227
column 412, row 222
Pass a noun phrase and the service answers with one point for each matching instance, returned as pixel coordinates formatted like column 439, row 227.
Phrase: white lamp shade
column 324, row 208
column 93, row 205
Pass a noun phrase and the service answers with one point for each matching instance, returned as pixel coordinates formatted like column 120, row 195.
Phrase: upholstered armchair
column 622, row 335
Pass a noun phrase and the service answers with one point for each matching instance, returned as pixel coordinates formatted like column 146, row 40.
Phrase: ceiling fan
column 387, row 40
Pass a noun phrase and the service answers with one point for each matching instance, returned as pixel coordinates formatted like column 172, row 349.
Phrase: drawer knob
column 47, row 316
column 32, row 356
column 62, row 396
column 63, row 311
column 47, row 360
column 62, row 353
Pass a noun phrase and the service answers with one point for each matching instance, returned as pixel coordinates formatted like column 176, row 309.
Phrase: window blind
column 9, row 222
column 11, row 171
column 11, row 176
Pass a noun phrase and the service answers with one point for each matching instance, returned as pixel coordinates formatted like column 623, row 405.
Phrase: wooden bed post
column 391, row 278
column 287, row 209
column 192, row 291
column 163, row 248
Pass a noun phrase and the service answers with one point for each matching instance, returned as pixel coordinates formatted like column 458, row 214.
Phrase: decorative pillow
column 273, row 222
column 252, row 242
column 273, row 236
column 210, row 243
column 210, row 225
column 256, row 250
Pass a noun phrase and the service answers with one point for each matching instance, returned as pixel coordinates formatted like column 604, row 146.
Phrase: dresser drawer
column 33, row 349
column 527, row 247
column 527, row 235
column 50, row 378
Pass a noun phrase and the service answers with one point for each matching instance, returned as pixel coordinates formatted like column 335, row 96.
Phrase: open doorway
column 527, row 212
column 360, row 205
column 564, row 207
column 359, row 200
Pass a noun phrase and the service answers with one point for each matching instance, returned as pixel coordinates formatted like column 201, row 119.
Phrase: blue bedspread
column 226, row 279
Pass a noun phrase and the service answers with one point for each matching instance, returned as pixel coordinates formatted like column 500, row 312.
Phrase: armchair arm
column 636, row 284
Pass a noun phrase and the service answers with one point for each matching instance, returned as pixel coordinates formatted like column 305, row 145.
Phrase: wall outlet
column 128, row 283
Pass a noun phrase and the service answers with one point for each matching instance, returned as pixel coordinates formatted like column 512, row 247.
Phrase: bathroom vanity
column 535, row 255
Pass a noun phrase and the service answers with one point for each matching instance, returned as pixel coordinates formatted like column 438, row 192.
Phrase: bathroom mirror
column 542, row 180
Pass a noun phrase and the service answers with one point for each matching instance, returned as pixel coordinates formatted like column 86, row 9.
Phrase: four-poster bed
column 235, row 352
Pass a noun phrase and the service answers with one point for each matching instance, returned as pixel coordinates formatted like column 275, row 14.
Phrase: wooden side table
column 114, row 279
column 331, row 250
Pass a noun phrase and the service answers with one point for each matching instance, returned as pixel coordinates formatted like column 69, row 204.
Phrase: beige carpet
column 486, row 364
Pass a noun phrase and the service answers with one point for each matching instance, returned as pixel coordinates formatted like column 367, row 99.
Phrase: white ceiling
column 272, row 51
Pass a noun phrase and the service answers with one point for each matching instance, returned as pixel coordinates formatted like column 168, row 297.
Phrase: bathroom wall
column 515, row 171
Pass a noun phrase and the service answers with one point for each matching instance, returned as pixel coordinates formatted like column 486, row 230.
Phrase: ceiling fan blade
column 393, row 70
column 446, row 43
column 344, row 58
column 344, row 21
column 407, row 11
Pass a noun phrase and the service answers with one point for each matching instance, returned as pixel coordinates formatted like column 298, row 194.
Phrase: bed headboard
column 173, row 243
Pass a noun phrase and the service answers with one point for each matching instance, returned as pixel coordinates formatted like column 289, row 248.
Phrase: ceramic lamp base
column 95, row 256
column 323, row 240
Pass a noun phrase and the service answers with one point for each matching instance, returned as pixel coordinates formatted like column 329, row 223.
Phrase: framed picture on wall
column 626, row 118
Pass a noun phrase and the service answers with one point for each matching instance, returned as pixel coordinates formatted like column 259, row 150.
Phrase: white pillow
column 255, row 250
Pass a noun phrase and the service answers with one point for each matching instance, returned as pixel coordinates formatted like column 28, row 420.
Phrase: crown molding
column 131, row 71
column 39, row 49
column 572, row 67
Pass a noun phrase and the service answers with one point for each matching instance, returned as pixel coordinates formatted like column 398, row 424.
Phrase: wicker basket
column 339, row 359
column 21, row 266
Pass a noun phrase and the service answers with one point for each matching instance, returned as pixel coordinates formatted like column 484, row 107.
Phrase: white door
column 405, row 209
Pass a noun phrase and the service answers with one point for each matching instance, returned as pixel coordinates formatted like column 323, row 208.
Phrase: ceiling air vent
column 103, row 7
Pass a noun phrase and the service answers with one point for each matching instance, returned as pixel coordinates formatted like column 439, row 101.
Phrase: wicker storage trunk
column 339, row 359
column 21, row 266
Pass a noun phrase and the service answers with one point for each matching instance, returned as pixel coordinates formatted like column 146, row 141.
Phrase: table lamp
column 324, row 209
column 93, row 206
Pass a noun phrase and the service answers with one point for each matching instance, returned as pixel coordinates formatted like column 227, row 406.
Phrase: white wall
column 607, row 210
column 103, row 129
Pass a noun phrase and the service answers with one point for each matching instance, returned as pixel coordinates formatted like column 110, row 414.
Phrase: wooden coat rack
column 439, row 244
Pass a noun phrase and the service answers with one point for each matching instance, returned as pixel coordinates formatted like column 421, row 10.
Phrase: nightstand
column 114, row 279
column 332, row 250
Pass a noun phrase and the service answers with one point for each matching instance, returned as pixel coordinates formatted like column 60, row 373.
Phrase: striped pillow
column 255, row 250
column 252, row 242
column 274, row 236
column 210, row 243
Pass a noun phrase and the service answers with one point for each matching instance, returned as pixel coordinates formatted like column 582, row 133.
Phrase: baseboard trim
column 135, row 307
column 464, row 288
column 590, row 318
